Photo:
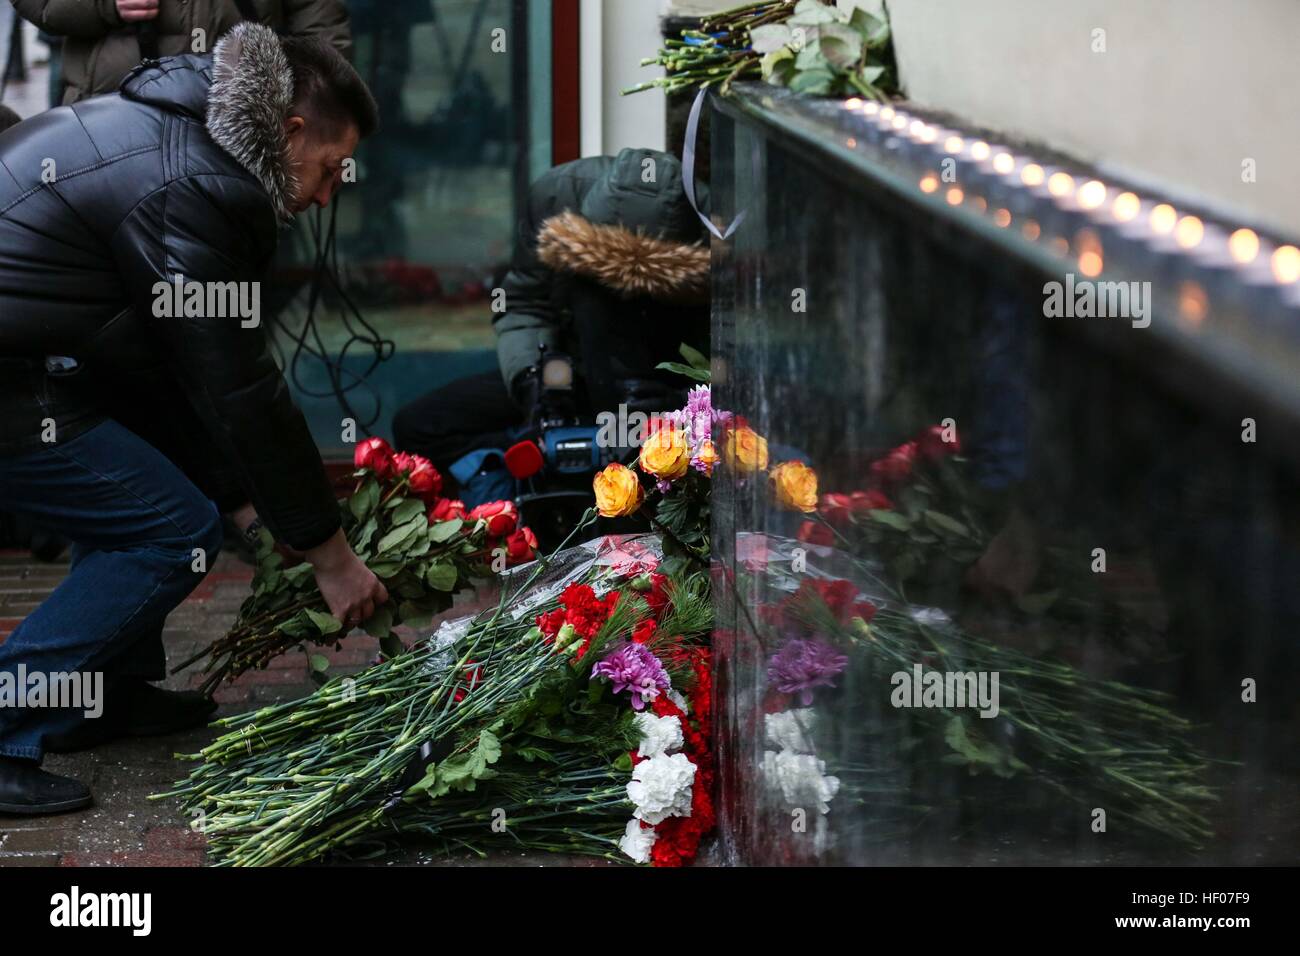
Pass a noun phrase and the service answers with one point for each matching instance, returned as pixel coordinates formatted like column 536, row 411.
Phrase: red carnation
column 375, row 455
column 644, row 632
column 501, row 517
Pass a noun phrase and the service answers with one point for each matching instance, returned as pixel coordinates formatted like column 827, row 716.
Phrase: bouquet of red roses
column 423, row 546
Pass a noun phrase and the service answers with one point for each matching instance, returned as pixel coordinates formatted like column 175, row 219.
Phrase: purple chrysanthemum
column 697, row 421
column 804, row 664
column 634, row 668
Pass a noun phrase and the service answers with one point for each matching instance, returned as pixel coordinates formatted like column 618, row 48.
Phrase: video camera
column 565, row 444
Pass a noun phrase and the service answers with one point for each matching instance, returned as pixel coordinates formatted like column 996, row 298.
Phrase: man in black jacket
column 136, row 384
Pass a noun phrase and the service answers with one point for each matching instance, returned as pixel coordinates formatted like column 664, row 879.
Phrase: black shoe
column 155, row 712
column 27, row 789
column 137, row 709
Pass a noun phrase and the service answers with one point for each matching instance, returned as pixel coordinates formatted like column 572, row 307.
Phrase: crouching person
column 128, row 424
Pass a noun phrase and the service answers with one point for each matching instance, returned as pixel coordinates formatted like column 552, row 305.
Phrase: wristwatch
column 253, row 531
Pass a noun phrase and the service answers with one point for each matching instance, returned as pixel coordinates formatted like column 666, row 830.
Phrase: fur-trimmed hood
column 250, row 98
column 629, row 263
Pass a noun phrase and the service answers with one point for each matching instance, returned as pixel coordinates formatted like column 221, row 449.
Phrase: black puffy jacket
column 181, row 173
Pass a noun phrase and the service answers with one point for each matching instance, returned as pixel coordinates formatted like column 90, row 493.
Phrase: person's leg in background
column 145, row 536
column 462, row 416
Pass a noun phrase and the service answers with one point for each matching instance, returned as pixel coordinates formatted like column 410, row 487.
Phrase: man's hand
column 135, row 10
column 350, row 588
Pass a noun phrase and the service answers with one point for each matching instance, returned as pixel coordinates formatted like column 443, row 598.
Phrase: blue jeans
column 136, row 522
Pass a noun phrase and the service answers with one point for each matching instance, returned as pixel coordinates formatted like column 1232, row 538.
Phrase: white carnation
column 801, row 778
column 661, row 787
column 791, row 729
column 930, row 617
column 637, row 841
column 658, row 734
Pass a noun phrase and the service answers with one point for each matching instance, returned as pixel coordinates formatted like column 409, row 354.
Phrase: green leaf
column 942, row 523
column 366, row 532
column 840, row 45
column 814, row 82
column 811, row 58
column 1037, row 603
column 387, row 569
column 299, row 574
column 363, row 502
column 813, row 12
column 402, row 534
column 695, row 358
column 392, row 646
column 406, row 510
column 891, row 519
column 872, row 74
column 319, row 663
column 381, row 622
column 769, row 38
column 441, row 576
column 325, row 623
column 699, row 375
column 771, row 60
column 445, row 530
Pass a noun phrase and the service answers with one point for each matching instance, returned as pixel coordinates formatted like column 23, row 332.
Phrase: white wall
column 1185, row 90
column 615, row 36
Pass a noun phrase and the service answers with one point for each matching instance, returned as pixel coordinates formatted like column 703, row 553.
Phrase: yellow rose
column 796, row 486
column 665, row 454
column 618, row 491
column 745, row 450
column 707, row 456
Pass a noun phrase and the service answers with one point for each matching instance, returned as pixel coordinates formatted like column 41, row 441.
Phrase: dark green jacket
column 611, row 244
column 99, row 49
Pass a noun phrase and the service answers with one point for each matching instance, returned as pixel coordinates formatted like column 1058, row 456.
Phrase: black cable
column 308, row 343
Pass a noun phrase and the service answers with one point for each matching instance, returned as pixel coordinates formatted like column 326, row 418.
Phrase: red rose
column 873, row 500
column 812, row 532
column 376, row 455
column 424, row 478
column 932, row 445
column 521, row 546
column 446, row 509
column 896, row 466
column 644, row 631
column 835, row 508
column 501, row 517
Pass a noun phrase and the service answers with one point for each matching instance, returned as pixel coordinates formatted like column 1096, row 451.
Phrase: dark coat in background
column 99, row 49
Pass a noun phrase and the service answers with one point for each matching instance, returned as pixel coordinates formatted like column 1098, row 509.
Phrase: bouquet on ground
column 808, row 46
column 574, row 717
column 424, row 548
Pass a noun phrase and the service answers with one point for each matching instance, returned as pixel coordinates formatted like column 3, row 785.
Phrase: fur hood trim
column 251, row 96
column 627, row 262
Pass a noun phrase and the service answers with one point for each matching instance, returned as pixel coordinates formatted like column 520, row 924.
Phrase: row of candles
column 1083, row 216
